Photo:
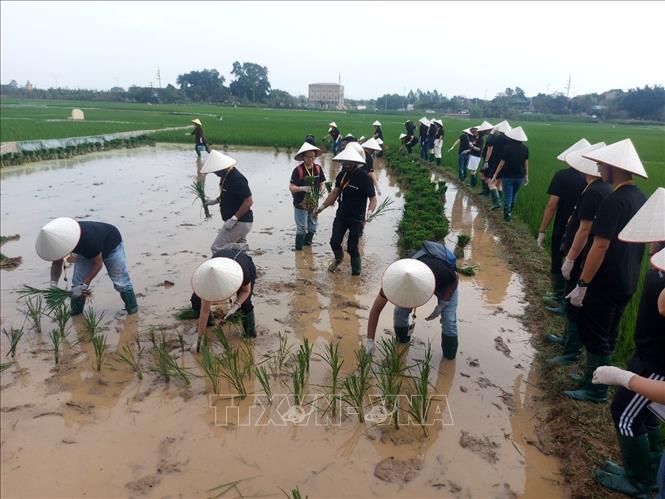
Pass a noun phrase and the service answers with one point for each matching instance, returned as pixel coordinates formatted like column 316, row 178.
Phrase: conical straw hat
column 576, row 160
column 408, row 283
column 197, row 121
column 376, row 123
column 217, row 161
column 517, row 134
column 57, row 239
column 577, row 146
column 217, row 279
column 361, row 139
column 351, row 154
column 467, row 131
column 648, row 224
column 424, row 121
column 438, row 122
column 379, row 141
column 484, row 126
column 371, row 144
column 658, row 260
column 304, row 148
column 401, row 136
column 502, row 126
column 332, row 124
column 621, row 155
column 359, row 149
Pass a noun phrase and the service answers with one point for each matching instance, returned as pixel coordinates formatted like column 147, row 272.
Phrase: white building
column 327, row 94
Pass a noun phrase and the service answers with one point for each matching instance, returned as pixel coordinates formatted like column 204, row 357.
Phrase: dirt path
column 74, row 432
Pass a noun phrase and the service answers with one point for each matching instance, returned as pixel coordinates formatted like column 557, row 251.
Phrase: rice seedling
column 61, row 315
column 186, row 314
column 91, row 322
column 211, row 367
column 329, row 186
column 262, row 375
column 14, row 335
column 235, row 321
column 305, row 351
column 53, row 295
column 126, row 356
column 332, row 359
column 390, row 375
column 221, row 490
column 295, row 494
column 181, row 340
column 34, row 310
column 313, row 197
column 152, row 337
column 56, row 341
column 281, row 355
column 100, row 347
column 221, row 337
column 419, row 402
column 233, row 371
column 5, row 365
column 462, row 242
column 469, row 271
column 167, row 367
column 382, row 209
column 298, row 382
column 198, row 189
column 356, row 384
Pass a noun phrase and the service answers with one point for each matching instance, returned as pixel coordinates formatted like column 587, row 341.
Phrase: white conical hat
column 217, row 279
column 621, row 155
column 197, row 121
column 408, row 283
column 502, row 126
column 577, row 146
column 648, row 224
column 332, row 124
column 376, row 123
column 467, row 131
column 576, row 160
column 304, row 148
column 361, row 139
column 438, row 122
column 359, row 149
column 371, row 144
column 658, row 260
column 351, row 154
column 424, row 121
column 217, row 161
column 57, row 239
column 379, row 141
column 517, row 134
column 484, row 126
column 401, row 136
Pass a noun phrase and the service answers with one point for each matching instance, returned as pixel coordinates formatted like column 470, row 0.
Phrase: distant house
column 409, row 107
column 361, row 108
column 329, row 95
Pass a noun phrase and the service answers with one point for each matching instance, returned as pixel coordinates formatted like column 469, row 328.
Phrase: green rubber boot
column 308, row 238
column 76, row 305
column 558, row 286
column 249, row 324
column 129, row 298
column 555, row 338
column 356, row 265
column 402, row 334
column 495, row 199
column 449, row 346
column 300, row 241
column 655, row 453
column 588, row 391
column 572, row 347
column 635, row 482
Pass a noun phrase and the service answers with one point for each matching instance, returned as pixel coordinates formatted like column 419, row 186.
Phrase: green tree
column 202, row 86
column 251, row 81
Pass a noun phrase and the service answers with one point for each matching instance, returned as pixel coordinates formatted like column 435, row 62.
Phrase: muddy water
column 71, row 431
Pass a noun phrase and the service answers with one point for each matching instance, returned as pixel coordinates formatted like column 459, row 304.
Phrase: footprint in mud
column 501, row 346
column 482, row 446
column 398, row 470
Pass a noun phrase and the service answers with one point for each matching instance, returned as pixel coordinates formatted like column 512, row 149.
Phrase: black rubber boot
column 572, row 347
column 249, row 324
column 356, row 265
column 402, row 334
column 308, row 238
column 438, row 161
column 300, row 241
column 449, row 346
column 590, row 392
column 495, row 199
column 635, row 481
column 77, row 305
column 486, row 190
column 129, row 298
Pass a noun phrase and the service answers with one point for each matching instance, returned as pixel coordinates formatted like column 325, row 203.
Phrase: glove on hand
column 77, row 291
column 541, row 240
column 566, row 268
column 232, row 310
column 610, row 375
column 231, row 222
column 437, row 311
column 576, row 296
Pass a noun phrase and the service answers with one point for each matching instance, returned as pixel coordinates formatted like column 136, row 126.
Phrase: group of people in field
column 601, row 223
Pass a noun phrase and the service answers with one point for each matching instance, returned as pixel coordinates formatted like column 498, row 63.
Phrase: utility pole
column 568, row 86
column 159, row 78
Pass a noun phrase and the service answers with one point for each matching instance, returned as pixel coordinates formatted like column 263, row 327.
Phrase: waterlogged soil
column 71, row 431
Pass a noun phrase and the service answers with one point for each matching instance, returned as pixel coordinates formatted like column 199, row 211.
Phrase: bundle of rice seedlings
column 55, row 341
column 262, row 375
column 313, row 197
column 305, row 350
column 91, row 322
column 61, row 315
column 100, row 347
column 233, row 371
column 167, row 367
column 14, row 335
column 462, row 242
column 53, row 295
column 334, row 362
column 382, row 209
column 356, row 384
column 198, row 189
column 221, row 337
column 419, row 402
column 126, row 356
column 389, row 376
column 329, row 186
column 468, row 271
column 211, row 366
column 186, row 313
column 34, row 310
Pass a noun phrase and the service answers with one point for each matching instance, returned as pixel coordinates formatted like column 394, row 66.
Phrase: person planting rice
column 201, row 143
column 306, row 185
column 235, row 200
column 91, row 245
column 513, row 169
column 575, row 245
column 353, row 188
column 422, row 136
column 565, row 188
column 228, row 277
column 475, row 146
column 431, row 137
column 347, row 139
column 438, row 141
column 462, row 153
column 495, row 145
column 410, row 128
column 335, row 137
column 378, row 133
column 408, row 141
column 410, row 283
column 609, row 276
column 369, row 148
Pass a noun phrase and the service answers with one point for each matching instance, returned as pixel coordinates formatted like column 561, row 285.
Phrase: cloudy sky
column 474, row 49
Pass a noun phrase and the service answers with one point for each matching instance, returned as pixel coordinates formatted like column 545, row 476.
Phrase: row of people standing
column 430, row 137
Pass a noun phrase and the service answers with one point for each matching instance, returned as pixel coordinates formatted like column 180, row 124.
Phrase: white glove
column 566, row 268
column 77, row 291
column 210, row 202
column 610, row 375
column 53, row 284
column 486, row 165
column 232, row 310
column 230, row 223
column 526, row 181
column 305, row 188
column 437, row 311
column 576, row 296
column 541, row 240
column 369, row 346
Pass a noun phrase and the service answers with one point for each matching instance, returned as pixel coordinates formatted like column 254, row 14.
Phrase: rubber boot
column 300, row 241
column 438, row 161
column 495, row 199
column 402, row 334
column 356, row 265
column 130, row 301
column 249, row 324
column 558, row 286
column 77, row 305
column 474, row 180
column 449, row 346
column 558, row 310
column 335, row 263
column 590, row 392
column 308, row 238
column 655, row 453
column 572, row 347
column 635, row 481
column 555, row 338
column 486, row 190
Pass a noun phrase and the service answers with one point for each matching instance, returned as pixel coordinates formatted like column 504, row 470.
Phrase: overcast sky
column 475, row 49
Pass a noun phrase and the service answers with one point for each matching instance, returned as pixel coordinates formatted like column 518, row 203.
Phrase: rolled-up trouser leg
column 233, row 235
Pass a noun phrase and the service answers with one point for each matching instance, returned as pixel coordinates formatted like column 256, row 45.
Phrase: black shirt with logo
column 96, row 238
column 567, row 185
column 356, row 188
column 514, row 155
column 650, row 327
column 477, row 143
column 463, row 143
column 234, row 189
column 499, row 143
column 298, row 178
column 368, row 167
column 334, row 133
column 243, row 259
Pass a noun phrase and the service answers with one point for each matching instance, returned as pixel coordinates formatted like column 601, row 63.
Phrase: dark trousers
column 556, row 253
column 246, row 307
column 340, row 226
column 630, row 413
column 599, row 320
column 423, row 148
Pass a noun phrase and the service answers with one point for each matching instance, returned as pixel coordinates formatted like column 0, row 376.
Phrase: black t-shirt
column 410, row 128
column 244, row 260
column 96, row 238
column 334, row 133
column 515, row 155
column 368, row 167
column 499, row 143
column 478, row 143
column 411, row 140
column 378, row 133
column 650, row 327
column 620, row 269
column 298, row 178
column 464, row 143
column 234, row 189
column 568, row 185
column 431, row 133
column 200, row 138
column 444, row 275
column 422, row 131
column 356, row 188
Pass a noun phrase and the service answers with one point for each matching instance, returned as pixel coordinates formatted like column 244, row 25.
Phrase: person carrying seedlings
column 612, row 267
column 306, row 186
column 462, row 153
column 410, row 283
column 378, row 133
column 438, row 141
column 575, row 245
column 201, row 143
column 431, row 137
column 496, row 143
column 335, row 137
column 410, row 128
column 422, row 136
column 369, row 148
column 475, row 147
column 513, row 169
column 353, row 189
column 235, row 200
column 565, row 188
column 228, row 277
column 92, row 245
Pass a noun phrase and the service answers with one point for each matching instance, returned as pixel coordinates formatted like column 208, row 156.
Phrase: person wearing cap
column 235, row 200
column 335, row 137
column 228, row 277
column 410, row 283
column 201, row 143
column 300, row 187
column 513, row 169
column 92, row 245
column 611, row 269
column 637, row 427
column 422, row 136
column 370, row 147
column 462, row 153
column 575, row 244
column 475, row 149
column 353, row 189
column 565, row 188
column 378, row 133
column 496, row 143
